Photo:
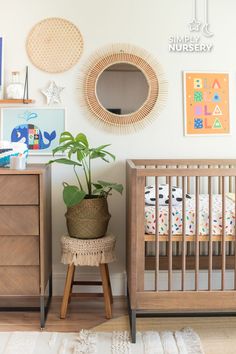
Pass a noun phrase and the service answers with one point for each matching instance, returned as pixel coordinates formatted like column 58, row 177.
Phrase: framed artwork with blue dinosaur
column 39, row 128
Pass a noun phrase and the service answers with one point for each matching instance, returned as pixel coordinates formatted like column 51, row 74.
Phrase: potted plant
column 87, row 213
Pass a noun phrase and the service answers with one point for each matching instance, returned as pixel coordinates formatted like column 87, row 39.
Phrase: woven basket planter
column 88, row 219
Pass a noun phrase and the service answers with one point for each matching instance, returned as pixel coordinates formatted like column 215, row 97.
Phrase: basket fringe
column 88, row 259
column 88, row 252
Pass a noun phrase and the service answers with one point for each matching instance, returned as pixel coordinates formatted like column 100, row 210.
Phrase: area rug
column 185, row 341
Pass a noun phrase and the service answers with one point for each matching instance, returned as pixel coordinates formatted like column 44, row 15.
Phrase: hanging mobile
column 205, row 28
column 195, row 25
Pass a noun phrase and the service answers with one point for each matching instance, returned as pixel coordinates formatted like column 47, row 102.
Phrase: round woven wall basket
column 54, row 45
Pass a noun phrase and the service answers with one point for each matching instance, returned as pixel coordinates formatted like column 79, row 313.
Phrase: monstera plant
column 87, row 209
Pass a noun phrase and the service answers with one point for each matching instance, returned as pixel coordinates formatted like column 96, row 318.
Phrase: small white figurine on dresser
column 18, row 162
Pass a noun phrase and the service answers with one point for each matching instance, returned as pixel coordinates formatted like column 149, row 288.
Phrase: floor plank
column 83, row 313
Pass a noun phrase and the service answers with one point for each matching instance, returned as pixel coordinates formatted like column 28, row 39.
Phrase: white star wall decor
column 52, row 93
column 194, row 26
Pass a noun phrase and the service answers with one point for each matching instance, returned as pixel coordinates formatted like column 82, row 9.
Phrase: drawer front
column 19, row 250
column 19, row 280
column 19, row 220
column 19, row 189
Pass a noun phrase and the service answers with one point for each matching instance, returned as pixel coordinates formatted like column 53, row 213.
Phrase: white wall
column 145, row 23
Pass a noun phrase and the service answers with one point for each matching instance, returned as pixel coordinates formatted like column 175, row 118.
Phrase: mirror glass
column 122, row 88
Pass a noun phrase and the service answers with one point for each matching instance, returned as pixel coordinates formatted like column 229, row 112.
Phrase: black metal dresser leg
column 42, row 312
column 133, row 325
column 132, row 320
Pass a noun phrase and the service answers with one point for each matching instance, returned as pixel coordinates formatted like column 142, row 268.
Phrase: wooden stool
column 94, row 252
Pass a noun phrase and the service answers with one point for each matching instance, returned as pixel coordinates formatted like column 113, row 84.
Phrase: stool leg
column 109, row 283
column 71, row 287
column 67, row 290
column 105, row 286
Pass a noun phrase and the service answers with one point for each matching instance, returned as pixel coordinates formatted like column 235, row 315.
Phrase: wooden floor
column 218, row 334
column 82, row 314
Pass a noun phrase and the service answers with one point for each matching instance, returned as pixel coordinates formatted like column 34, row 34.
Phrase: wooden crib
column 195, row 177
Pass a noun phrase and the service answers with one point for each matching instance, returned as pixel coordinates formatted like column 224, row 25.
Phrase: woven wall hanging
column 54, row 45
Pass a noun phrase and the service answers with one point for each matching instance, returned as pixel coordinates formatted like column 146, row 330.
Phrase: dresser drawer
column 19, row 220
column 19, row 280
column 19, row 250
column 19, row 189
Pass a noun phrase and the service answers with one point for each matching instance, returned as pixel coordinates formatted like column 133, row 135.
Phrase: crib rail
column 135, row 163
column 198, row 172
column 186, row 239
column 213, row 176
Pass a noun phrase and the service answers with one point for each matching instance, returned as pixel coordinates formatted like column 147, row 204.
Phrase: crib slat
column 140, row 251
column 145, row 166
column 210, row 248
column 231, row 181
column 197, row 235
column 231, row 249
column 235, row 234
column 188, row 191
column 188, row 182
column 219, row 182
column 183, row 232
column 170, row 237
column 178, row 178
column 146, row 246
column 157, row 244
column 223, row 237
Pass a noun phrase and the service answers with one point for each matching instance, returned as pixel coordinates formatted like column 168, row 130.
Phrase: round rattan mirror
column 153, row 96
column 122, row 88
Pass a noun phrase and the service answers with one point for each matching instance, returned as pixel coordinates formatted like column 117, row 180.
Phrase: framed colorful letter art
column 206, row 97
column 39, row 128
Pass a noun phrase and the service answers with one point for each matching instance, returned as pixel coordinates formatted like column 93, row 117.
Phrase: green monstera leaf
column 72, row 195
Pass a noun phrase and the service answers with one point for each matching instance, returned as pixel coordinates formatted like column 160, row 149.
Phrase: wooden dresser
column 25, row 236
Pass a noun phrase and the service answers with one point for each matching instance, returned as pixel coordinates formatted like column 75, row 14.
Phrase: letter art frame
column 39, row 128
column 206, row 103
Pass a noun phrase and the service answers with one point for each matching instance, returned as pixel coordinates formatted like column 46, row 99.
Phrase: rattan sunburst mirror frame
column 124, row 53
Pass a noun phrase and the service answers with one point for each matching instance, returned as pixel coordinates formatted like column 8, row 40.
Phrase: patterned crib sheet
column 150, row 227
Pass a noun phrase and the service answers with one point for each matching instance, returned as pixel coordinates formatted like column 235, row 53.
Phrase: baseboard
column 118, row 282
column 189, row 280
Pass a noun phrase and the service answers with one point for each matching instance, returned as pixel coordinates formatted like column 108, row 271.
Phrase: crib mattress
column 150, row 222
